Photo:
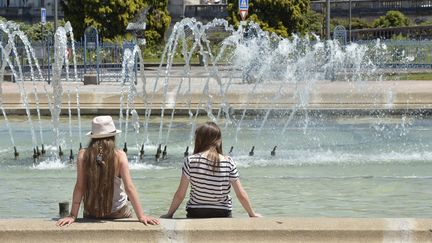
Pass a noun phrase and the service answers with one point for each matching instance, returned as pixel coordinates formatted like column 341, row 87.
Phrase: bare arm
column 131, row 191
column 243, row 198
column 78, row 192
column 178, row 197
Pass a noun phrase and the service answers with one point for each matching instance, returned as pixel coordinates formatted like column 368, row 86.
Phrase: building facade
column 28, row 10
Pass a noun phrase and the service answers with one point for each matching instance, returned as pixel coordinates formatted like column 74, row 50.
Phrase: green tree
column 34, row 31
column 74, row 12
column 158, row 22
column 314, row 22
column 110, row 17
column 356, row 23
column 282, row 17
column 391, row 19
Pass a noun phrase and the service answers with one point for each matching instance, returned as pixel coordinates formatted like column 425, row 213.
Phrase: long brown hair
column 209, row 137
column 99, row 165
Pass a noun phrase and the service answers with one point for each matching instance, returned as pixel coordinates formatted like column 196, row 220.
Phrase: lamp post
column 350, row 10
column 55, row 15
column 183, row 9
column 328, row 20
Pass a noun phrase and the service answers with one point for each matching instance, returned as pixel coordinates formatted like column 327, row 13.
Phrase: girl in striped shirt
column 211, row 175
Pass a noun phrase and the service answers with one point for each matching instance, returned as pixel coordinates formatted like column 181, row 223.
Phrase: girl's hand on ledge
column 148, row 220
column 66, row 221
column 255, row 215
column 166, row 216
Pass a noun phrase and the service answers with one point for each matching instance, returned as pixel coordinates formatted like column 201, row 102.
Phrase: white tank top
column 119, row 197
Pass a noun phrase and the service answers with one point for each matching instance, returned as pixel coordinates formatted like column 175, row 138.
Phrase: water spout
column 43, row 150
column 231, row 150
column 37, row 151
column 16, row 154
column 158, row 153
column 164, row 153
column 186, row 152
column 60, row 153
column 273, row 152
column 125, row 149
column 71, row 156
column 35, row 155
column 251, row 153
column 142, row 151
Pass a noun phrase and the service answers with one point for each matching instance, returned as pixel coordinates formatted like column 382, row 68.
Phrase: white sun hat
column 103, row 127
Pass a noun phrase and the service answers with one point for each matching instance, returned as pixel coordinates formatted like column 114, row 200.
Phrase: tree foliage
column 36, row 32
column 314, row 22
column 391, row 19
column 282, row 17
column 111, row 17
column 158, row 21
column 356, row 23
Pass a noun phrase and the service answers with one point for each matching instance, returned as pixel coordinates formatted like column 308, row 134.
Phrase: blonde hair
column 99, row 166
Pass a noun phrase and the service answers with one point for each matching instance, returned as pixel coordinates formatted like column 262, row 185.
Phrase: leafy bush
column 391, row 19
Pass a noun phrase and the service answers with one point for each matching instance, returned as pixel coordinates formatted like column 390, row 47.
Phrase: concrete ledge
column 222, row 230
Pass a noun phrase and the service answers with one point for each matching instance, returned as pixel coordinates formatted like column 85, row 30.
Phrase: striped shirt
column 210, row 189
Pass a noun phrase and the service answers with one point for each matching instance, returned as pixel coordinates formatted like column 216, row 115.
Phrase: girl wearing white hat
column 101, row 169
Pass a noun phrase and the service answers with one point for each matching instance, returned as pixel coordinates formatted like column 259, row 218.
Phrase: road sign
column 43, row 15
column 243, row 8
column 243, row 14
column 244, row 5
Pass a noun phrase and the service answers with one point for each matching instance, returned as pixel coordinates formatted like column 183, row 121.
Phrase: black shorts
column 208, row 213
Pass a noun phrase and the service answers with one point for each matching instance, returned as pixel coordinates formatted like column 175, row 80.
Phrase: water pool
column 332, row 166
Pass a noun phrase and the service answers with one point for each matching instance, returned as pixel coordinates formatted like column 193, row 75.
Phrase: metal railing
column 411, row 32
column 402, row 54
column 110, row 60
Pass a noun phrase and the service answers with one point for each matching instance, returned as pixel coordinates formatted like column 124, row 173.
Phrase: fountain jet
column 164, row 153
column 186, row 153
column 273, row 152
column 43, row 150
column 16, row 154
column 251, row 153
column 142, row 151
column 158, row 153
column 60, row 152
column 35, row 156
column 37, row 151
column 125, row 147
column 71, row 156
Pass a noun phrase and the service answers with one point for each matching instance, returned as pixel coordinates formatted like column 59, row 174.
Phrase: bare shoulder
column 121, row 155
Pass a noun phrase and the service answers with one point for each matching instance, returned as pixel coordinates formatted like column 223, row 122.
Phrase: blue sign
column 43, row 15
column 244, row 5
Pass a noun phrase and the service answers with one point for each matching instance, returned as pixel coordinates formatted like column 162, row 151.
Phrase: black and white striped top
column 210, row 189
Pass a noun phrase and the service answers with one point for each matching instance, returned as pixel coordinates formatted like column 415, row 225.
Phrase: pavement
column 393, row 96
